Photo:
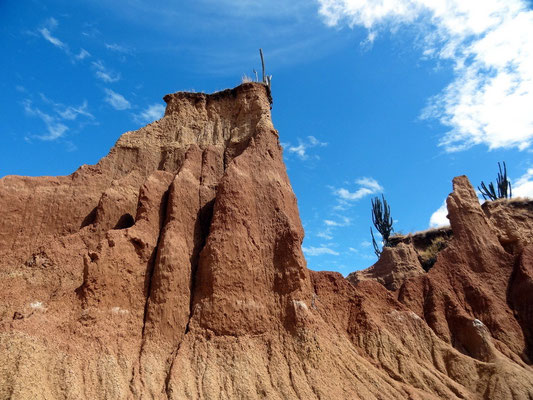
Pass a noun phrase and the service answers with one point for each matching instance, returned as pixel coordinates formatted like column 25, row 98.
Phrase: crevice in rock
column 201, row 232
column 205, row 215
column 149, row 276
column 151, row 266
column 90, row 218
column 509, row 247
column 522, row 309
column 125, row 221
column 169, row 371
column 203, row 224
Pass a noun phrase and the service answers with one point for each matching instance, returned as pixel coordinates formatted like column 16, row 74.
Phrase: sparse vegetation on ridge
column 428, row 256
column 265, row 79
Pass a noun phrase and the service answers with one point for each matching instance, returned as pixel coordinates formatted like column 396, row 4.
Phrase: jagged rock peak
column 100, row 195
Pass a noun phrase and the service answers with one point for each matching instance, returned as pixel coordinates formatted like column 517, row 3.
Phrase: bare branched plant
column 267, row 79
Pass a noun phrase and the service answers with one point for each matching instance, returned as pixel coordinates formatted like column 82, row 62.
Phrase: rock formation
column 173, row 269
column 395, row 265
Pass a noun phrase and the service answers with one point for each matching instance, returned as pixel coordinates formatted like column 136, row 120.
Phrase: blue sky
column 370, row 96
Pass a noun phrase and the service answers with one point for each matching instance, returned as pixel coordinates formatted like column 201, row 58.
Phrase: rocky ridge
column 173, row 269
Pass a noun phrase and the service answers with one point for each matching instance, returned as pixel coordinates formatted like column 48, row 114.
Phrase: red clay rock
column 513, row 221
column 468, row 282
column 173, row 269
column 395, row 265
column 521, row 298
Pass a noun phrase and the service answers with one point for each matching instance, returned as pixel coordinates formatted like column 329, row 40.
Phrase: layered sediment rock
column 173, row 269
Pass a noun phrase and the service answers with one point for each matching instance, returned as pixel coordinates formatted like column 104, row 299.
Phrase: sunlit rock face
column 173, row 269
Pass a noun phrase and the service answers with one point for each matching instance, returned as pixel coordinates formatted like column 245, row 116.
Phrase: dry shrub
column 428, row 256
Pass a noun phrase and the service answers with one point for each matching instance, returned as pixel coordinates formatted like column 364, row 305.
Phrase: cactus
column 382, row 222
column 503, row 184
column 374, row 244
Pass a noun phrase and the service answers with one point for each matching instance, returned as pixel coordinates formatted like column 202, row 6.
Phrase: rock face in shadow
column 173, row 269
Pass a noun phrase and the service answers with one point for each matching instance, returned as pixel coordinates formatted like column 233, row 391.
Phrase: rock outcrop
column 395, row 265
column 173, row 269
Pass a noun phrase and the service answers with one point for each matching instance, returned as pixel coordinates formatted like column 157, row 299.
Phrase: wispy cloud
column 56, row 119
column 301, row 150
column 118, row 48
column 67, row 112
column 318, row 251
column 104, row 74
column 491, row 47
column 288, row 30
column 438, row 218
column 149, row 114
column 90, row 30
column 55, row 129
column 345, row 197
column 325, row 234
column 82, row 55
column 71, row 113
column 116, row 100
column 45, row 31
column 330, row 225
column 344, row 221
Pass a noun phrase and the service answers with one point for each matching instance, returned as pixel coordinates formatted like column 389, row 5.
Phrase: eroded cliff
column 173, row 269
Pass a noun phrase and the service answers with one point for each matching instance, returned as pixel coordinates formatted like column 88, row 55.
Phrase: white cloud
column 103, row 73
column 55, row 120
column 150, row 114
column 523, row 186
column 83, row 54
column 318, row 251
column 45, row 31
column 438, row 218
column 366, row 243
column 48, row 36
column 367, row 186
column 325, row 234
column 67, row 112
column 313, row 141
column 116, row 100
column 303, row 146
column 345, row 221
column 491, row 46
column 71, row 113
column 54, row 127
column 118, row 48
